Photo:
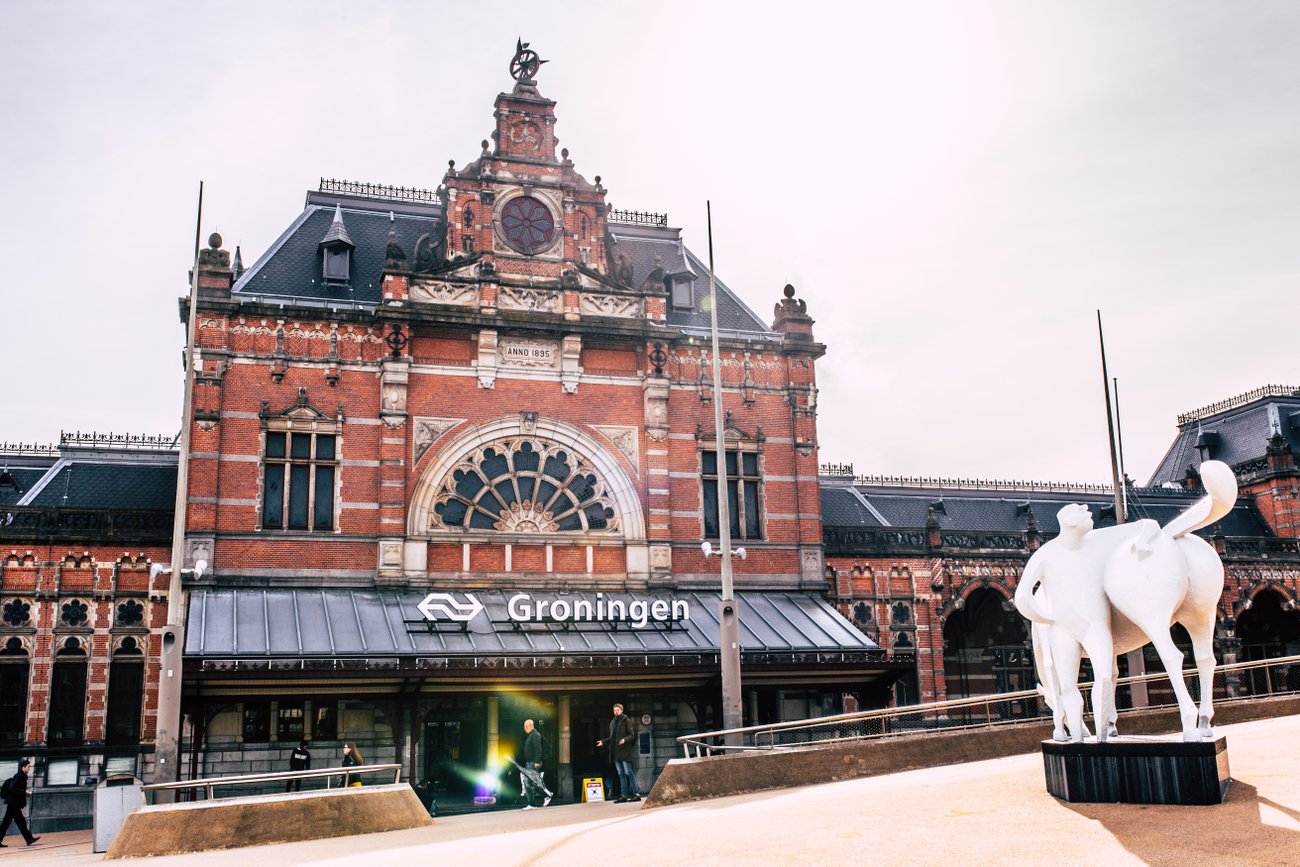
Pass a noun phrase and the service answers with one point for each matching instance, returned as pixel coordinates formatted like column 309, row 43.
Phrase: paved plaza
column 994, row 812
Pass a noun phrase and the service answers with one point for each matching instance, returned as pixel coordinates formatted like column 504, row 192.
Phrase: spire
column 338, row 233
column 237, row 267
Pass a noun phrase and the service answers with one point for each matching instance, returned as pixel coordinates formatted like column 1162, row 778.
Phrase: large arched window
column 525, row 485
column 68, row 693
column 14, row 674
column 125, row 693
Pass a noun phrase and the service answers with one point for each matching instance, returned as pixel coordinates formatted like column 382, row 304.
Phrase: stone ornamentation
column 613, row 306
column 429, row 430
column 533, row 300
column 445, row 293
column 624, row 439
column 1105, row 592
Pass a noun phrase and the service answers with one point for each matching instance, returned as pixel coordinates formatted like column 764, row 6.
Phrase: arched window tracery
column 525, row 485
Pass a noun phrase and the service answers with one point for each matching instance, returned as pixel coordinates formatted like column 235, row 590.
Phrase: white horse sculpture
column 1106, row 592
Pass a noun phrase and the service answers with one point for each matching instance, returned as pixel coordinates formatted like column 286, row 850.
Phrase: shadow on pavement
column 1233, row 832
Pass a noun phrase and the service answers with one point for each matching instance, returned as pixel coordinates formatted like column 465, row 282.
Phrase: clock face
column 527, row 224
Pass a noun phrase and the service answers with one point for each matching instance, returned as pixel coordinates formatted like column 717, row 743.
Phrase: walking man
column 15, row 797
column 299, row 760
column 530, row 773
column 622, row 752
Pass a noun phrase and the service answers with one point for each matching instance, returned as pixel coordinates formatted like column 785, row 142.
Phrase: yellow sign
column 593, row 790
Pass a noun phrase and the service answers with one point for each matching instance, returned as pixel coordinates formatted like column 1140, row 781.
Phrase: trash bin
column 116, row 796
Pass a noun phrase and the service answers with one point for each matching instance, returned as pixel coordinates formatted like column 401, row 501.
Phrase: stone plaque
column 513, row 352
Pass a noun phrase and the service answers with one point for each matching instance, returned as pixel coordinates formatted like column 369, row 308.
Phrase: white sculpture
column 1106, row 592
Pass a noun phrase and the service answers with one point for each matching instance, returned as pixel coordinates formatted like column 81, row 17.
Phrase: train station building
column 452, row 461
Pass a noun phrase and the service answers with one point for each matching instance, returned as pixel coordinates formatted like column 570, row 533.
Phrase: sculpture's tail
column 1220, row 496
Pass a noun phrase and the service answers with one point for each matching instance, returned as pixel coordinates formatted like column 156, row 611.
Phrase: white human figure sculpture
column 1106, row 592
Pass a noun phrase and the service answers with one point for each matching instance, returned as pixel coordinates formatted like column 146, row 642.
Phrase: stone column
column 493, row 730
column 564, row 753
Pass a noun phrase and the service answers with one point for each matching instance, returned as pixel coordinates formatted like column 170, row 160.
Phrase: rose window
column 130, row 613
column 75, row 613
column 524, row 486
column 17, row 612
column 527, row 224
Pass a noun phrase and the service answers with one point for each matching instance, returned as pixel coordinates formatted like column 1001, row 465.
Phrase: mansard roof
column 17, row 481
column 94, row 472
column 999, row 509
column 291, row 268
column 1236, row 431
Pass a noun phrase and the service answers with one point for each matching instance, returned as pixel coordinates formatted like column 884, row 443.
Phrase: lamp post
column 167, row 737
column 728, row 621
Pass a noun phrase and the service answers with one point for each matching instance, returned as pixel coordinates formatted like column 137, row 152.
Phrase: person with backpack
column 536, row 751
column 14, row 794
column 622, row 753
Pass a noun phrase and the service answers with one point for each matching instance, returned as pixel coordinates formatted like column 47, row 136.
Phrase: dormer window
column 336, row 251
column 338, row 265
column 682, row 293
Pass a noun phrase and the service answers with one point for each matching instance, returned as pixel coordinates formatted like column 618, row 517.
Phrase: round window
column 527, row 224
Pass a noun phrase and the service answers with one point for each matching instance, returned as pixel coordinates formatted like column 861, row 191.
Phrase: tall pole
column 167, row 741
column 1120, row 516
column 1119, row 436
column 728, row 621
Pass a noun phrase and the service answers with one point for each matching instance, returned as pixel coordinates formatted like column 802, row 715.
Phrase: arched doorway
column 1268, row 630
column 986, row 648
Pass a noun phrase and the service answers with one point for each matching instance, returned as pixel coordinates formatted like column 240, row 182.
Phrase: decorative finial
column 451, row 165
column 214, row 241
column 526, row 62
column 484, row 144
column 564, row 153
column 789, row 291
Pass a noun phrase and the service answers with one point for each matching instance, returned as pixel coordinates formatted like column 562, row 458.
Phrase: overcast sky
column 954, row 188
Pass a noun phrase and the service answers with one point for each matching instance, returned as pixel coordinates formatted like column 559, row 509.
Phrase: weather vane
column 524, row 65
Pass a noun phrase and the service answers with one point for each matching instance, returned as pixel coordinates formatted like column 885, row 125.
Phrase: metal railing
column 1236, row 681
column 209, row 785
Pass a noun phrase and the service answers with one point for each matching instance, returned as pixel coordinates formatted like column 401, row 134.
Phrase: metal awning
column 261, row 624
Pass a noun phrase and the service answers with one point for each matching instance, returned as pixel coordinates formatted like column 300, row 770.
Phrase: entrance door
column 514, row 709
column 455, row 745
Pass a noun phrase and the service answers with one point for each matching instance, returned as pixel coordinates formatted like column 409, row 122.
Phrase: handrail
column 708, row 742
column 210, row 783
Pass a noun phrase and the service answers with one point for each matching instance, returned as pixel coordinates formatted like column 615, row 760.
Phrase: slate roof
column 115, row 485
column 1006, row 511
column 291, row 268
column 733, row 314
column 316, row 623
column 24, row 478
column 1236, row 435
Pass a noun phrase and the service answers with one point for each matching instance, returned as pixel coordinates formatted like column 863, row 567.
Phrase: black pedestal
column 1138, row 771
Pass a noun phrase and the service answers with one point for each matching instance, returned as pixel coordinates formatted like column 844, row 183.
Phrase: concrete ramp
column 173, row 829
column 757, row 770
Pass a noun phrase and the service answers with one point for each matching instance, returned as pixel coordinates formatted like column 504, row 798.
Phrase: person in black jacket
column 535, row 750
column 14, row 804
column 622, row 753
column 299, row 760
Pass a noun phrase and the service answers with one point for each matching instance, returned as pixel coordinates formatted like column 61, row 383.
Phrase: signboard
column 593, row 790
column 527, row 608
